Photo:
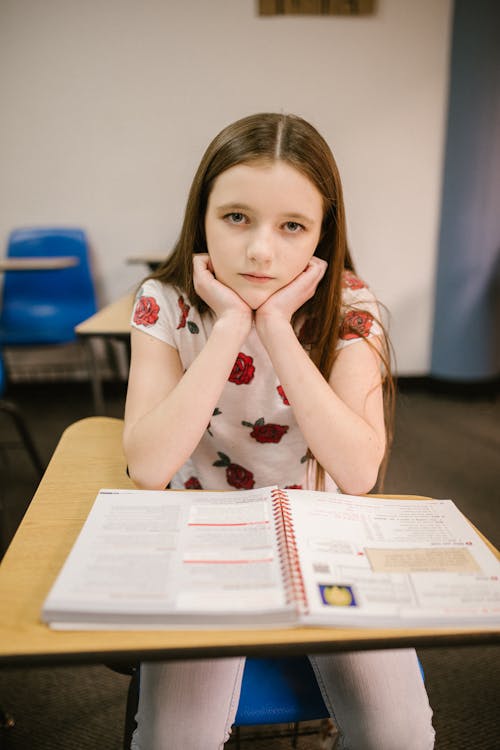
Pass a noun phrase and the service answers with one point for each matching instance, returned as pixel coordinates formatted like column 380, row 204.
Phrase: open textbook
column 270, row 557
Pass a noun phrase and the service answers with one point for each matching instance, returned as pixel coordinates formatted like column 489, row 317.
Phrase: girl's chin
column 255, row 299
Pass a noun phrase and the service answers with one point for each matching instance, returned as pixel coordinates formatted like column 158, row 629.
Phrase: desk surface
column 89, row 456
column 112, row 320
column 53, row 263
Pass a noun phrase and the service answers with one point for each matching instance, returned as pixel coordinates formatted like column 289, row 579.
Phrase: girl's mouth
column 256, row 278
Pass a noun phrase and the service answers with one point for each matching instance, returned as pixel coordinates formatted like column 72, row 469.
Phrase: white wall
column 107, row 106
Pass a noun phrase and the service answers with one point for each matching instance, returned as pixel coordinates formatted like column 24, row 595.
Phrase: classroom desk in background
column 152, row 260
column 112, row 322
column 53, row 263
column 89, row 457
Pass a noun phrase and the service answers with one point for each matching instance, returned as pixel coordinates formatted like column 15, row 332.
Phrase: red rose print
column 184, row 312
column 351, row 281
column 185, row 308
column 356, row 324
column 243, row 370
column 193, row 483
column 282, row 393
column 146, row 311
column 239, row 477
column 236, row 475
column 266, row 433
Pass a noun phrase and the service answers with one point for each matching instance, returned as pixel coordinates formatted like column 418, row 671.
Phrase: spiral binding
column 290, row 567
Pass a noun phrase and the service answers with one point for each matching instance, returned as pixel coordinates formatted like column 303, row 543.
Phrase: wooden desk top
column 112, row 320
column 89, row 456
column 53, row 263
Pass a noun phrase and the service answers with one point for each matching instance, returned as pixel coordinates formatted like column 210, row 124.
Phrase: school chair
column 280, row 690
column 44, row 306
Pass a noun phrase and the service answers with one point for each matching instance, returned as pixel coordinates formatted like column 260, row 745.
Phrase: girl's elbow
column 362, row 480
column 359, row 485
column 147, row 480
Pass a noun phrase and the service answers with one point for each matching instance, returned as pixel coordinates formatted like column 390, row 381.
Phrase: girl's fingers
column 319, row 266
column 201, row 262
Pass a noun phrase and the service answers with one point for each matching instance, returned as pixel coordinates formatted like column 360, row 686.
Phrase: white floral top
column 253, row 439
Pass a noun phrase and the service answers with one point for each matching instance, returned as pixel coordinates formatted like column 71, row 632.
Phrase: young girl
column 258, row 359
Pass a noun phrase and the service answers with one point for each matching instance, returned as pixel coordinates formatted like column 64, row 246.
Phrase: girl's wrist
column 270, row 327
column 234, row 323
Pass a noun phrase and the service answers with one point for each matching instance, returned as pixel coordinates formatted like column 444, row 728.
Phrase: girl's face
column 262, row 225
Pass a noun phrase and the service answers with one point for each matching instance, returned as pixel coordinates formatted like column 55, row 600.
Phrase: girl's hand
column 283, row 303
column 220, row 298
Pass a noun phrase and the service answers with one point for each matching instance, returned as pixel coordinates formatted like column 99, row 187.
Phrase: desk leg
column 95, row 377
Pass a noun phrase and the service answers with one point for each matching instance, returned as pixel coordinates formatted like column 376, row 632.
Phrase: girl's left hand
column 288, row 299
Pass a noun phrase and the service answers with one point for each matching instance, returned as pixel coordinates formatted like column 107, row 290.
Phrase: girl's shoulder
column 355, row 291
column 360, row 310
column 160, row 309
column 351, row 282
column 157, row 289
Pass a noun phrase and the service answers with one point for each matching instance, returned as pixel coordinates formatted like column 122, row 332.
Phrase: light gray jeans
column 376, row 698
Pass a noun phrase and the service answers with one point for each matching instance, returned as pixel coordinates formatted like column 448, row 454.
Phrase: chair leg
column 18, row 419
column 131, row 710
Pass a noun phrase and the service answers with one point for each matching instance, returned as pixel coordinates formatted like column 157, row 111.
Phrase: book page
column 382, row 561
column 149, row 557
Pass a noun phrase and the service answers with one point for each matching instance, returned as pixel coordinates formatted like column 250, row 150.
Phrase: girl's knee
column 412, row 731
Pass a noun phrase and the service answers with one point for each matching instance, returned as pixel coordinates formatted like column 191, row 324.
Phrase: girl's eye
column 293, row 227
column 235, row 218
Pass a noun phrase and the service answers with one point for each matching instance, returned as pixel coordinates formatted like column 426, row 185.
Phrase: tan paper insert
column 422, row 560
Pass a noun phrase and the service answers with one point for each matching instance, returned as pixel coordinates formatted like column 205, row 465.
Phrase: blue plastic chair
column 43, row 307
column 280, row 690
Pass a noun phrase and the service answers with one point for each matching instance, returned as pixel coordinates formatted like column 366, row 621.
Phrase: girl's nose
column 259, row 247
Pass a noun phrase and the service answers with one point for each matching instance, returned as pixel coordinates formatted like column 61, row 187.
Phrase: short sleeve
column 153, row 313
column 360, row 312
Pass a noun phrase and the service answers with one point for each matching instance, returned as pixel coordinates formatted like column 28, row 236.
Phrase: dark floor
column 447, row 445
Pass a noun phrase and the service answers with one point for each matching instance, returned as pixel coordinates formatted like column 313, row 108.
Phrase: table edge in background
column 112, row 320
column 49, row 263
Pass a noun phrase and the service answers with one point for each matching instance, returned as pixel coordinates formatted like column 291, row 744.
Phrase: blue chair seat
column 278, row 691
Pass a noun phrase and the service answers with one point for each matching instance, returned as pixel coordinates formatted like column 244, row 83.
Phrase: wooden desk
column 88, row 457
column 53, row 263
column 111, row 322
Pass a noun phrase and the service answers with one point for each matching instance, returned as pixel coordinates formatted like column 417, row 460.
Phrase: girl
column 258, row 359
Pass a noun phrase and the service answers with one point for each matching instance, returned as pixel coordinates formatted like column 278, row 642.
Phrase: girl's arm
column 167, row 410
column 342, row 420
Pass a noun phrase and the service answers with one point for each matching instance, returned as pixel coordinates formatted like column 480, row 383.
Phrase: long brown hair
column 288, row 138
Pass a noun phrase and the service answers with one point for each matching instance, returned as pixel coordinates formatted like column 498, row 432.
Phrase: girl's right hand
column 220, row 298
